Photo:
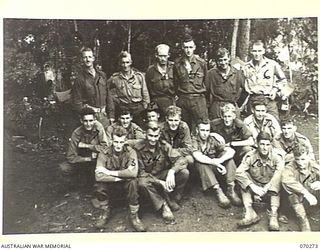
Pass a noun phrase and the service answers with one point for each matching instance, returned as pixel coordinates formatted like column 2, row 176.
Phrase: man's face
column 118, row 142
column 153, row 116
column 125, row 64
column 288, row 130
column 125, row 120
column 87, row 58
column 189, row 48
column 257, row 52
column 173, row 122
column 228, row 118
column 223, row 62
column 162, row 57
column 204, row 131
column 88, row 122
column 153, row 136
column 302, row 162
column 264, row 147
column 259, row 112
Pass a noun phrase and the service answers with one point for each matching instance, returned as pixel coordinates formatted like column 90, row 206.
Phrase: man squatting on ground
column 214, row 160
column 163, row 171
column 259, row 174
column 84, row 145
column 235, row 133
column 117, row 168
column 301, row 180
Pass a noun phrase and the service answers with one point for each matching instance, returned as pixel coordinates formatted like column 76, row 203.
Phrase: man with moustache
column 189, row 75
column 129, row 90
column 162, row 171
column 159, row 79
column 224, row 83
column 90, row 88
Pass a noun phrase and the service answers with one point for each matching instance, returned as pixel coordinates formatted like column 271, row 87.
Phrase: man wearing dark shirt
column 90, row 88
column 189, row 76
column 159, row 79
column 116, row 168
column 162, row 171
column 225, row 84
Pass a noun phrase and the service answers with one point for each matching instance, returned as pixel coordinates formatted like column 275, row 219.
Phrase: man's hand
column 87, row 159
column 170, row 180
column 315, row 185
column 310, row 198
column 83, row 145
column 164, row 185
column 221, row 169
column 260, row 191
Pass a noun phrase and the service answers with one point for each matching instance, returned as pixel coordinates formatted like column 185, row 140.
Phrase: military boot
column 232, row 195
column 273, row 221
column 302, row 217
column 167, row 215
column 223, row 201
column 250, row 218
column 174, row 206
column 104, row 217
column 134, row 219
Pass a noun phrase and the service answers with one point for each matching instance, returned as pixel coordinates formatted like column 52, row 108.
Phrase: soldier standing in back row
column 189, row 76
column 129, row 90
column 159, row 78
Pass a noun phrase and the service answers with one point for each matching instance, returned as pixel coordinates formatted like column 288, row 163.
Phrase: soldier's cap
column 164, row 48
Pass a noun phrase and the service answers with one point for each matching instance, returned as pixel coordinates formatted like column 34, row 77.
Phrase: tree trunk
column 129, row 36
column 234, row 39
column 244, row 39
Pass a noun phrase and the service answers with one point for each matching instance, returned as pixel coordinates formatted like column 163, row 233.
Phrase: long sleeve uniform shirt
column 134, row 132
column 155, row 160
column 96, row 137
column 255, row 169
column 297, row 182
column 261, row 80
column 225, row 88
column 269, row 124
column 287, row 145
column 127, row 90
column 179, row 139
column 238, row 131
column 160, row 83
column 190, row 81
column 211, row 147
column 125, row 162
column 89, row 89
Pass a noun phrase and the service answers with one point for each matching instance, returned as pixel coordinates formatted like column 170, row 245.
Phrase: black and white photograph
column 169, row 125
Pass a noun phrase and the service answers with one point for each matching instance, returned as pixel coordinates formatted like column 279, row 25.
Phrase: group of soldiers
column 143, row 135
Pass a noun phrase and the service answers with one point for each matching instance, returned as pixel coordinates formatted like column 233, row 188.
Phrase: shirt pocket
column 137, row 89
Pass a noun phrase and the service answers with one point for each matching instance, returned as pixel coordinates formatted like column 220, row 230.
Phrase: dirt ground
column 37, row 201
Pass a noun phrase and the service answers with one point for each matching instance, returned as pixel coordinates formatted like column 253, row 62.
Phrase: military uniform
column 128, row 93
column 191, row 89
column 213, row 148
column 262, row 80
column 269, row 124
column 91, row 90
column 237, row 132
column 296, row 183
column 179, row 139
column 126, row 163
column 160, row 86
column 154, row 166
column 134, row 132
column 223, row 89
column 287, row 145
column 255, row 169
